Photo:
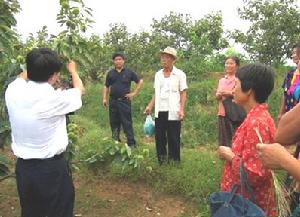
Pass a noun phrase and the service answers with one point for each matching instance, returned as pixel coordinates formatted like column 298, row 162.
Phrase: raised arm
column 76, row 81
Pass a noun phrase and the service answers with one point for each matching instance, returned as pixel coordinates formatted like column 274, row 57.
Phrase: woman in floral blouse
column 254, row 84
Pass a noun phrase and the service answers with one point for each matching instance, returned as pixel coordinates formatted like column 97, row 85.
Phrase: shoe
column 162, row 159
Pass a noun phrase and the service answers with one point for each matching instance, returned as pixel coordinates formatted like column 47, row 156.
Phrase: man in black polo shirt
column 117, row 84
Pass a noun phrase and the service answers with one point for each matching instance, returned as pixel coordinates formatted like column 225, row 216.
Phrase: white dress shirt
column 165, row 88
column 177, row 84
column 37, row 117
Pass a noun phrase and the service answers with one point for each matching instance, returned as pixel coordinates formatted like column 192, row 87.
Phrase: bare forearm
column 218, row 96
column 105, row 92
column 77, row 82
column 288, row 128
column 151, row 103
column 282, row 106
column 138, row 86
column 183, row 96
column 227, row 93
column 292, row 165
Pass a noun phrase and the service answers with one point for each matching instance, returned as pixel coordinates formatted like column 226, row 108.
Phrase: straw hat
column 169, row 50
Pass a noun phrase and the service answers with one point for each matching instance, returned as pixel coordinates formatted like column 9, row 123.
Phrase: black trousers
column 167, row 132
column 226, row 131
column 120, row 114
column 45, row 188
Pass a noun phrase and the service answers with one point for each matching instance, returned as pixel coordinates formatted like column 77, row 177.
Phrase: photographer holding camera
column 37, row 114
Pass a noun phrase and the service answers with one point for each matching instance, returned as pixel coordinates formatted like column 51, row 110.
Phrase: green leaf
column 146, row 152
column 131, row 161
column 135, row 164
column 4, row 170
column 112, row 152
column 3, row 160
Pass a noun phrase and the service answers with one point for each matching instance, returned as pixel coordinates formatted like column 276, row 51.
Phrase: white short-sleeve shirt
column 165, row 88
column 177, row 84
column 37, row 115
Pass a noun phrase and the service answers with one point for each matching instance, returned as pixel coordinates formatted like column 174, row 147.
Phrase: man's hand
column 272, row 155
column 71, row 66
column 76, row 81
column 181, row 114
column 104, row 103
column 148, row 110
column 130, row 95
column 225, row 153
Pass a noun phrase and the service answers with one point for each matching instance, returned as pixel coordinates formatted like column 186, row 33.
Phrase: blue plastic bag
column 149, row 126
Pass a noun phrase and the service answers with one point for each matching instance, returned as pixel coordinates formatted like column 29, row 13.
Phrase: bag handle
column 245, row 186
column 232, row 193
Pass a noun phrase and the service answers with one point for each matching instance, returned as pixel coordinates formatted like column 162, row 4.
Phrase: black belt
column 55, row 157
column 120, row 98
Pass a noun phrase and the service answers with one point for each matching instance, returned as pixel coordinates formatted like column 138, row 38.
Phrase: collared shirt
column 120, row 82
column 37, row 117
column 165, row 89
column 177, row 84
column 225, row 84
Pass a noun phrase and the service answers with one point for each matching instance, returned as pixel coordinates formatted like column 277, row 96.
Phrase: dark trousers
column 45, row 188
column 120, row 114
column 167, row 132
column 226, row 131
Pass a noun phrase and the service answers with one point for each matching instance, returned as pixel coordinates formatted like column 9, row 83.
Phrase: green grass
column 198, row 175
column 199, row 172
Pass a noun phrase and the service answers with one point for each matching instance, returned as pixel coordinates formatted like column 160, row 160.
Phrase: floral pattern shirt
column 289, row 100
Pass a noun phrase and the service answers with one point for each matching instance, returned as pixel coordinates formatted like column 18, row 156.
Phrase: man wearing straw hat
column 169, row 100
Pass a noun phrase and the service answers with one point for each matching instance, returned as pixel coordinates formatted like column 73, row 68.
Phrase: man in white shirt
column 169, row 101
column 37, row 114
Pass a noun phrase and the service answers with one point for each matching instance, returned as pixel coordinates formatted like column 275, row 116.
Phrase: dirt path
column 97, row 197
